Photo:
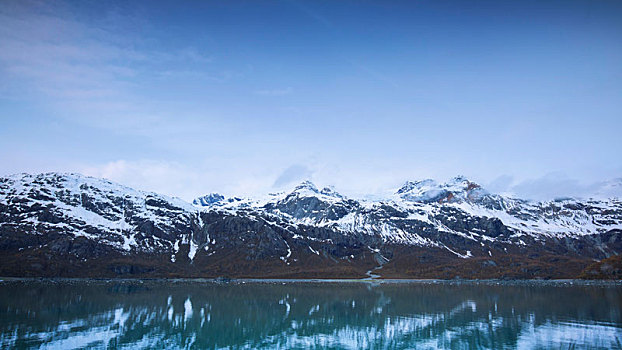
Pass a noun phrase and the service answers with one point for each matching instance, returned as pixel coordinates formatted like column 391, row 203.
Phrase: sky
column 247, row 97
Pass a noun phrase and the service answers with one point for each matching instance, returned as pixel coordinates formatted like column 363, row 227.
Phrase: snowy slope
column 428, row 205
column 460, row 217
column 97, row 209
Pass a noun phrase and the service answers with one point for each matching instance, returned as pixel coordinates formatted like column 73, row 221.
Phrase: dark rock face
column 71, row 225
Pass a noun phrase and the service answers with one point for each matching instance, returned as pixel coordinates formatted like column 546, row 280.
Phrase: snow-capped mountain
column 427, row 191
column 107, row 213
column 438, row 205
column 73, row 225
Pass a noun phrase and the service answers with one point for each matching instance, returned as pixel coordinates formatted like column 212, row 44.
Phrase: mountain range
column 70, row 225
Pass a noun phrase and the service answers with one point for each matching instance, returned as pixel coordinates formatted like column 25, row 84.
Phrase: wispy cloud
column 555, row 185
column 87, row 71
column 181, row 180
column 292, row 174
column 168, row 178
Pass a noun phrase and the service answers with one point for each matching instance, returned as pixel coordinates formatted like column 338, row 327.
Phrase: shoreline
column 223, row 281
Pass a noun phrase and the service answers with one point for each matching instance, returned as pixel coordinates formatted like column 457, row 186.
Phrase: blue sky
column 246, row 97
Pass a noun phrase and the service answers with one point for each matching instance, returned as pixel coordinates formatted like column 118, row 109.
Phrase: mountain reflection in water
column 183, row 314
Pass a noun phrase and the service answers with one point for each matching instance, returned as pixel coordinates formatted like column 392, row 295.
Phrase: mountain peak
column 410, row 186
column 308, row 189
column 458, row 179
column 331, row 192
column 461, row 183
column 209, row 199
column 428, row 190
column 306, row 185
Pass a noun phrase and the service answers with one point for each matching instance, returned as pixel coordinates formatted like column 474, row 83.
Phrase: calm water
column 159, row 314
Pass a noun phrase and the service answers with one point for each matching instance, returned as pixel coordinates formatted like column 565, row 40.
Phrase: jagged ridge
column 293, row 233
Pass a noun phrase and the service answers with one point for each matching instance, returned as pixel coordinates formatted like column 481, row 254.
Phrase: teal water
column 357, row 315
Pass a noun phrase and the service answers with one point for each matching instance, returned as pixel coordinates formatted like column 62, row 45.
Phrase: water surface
column 70, row 314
